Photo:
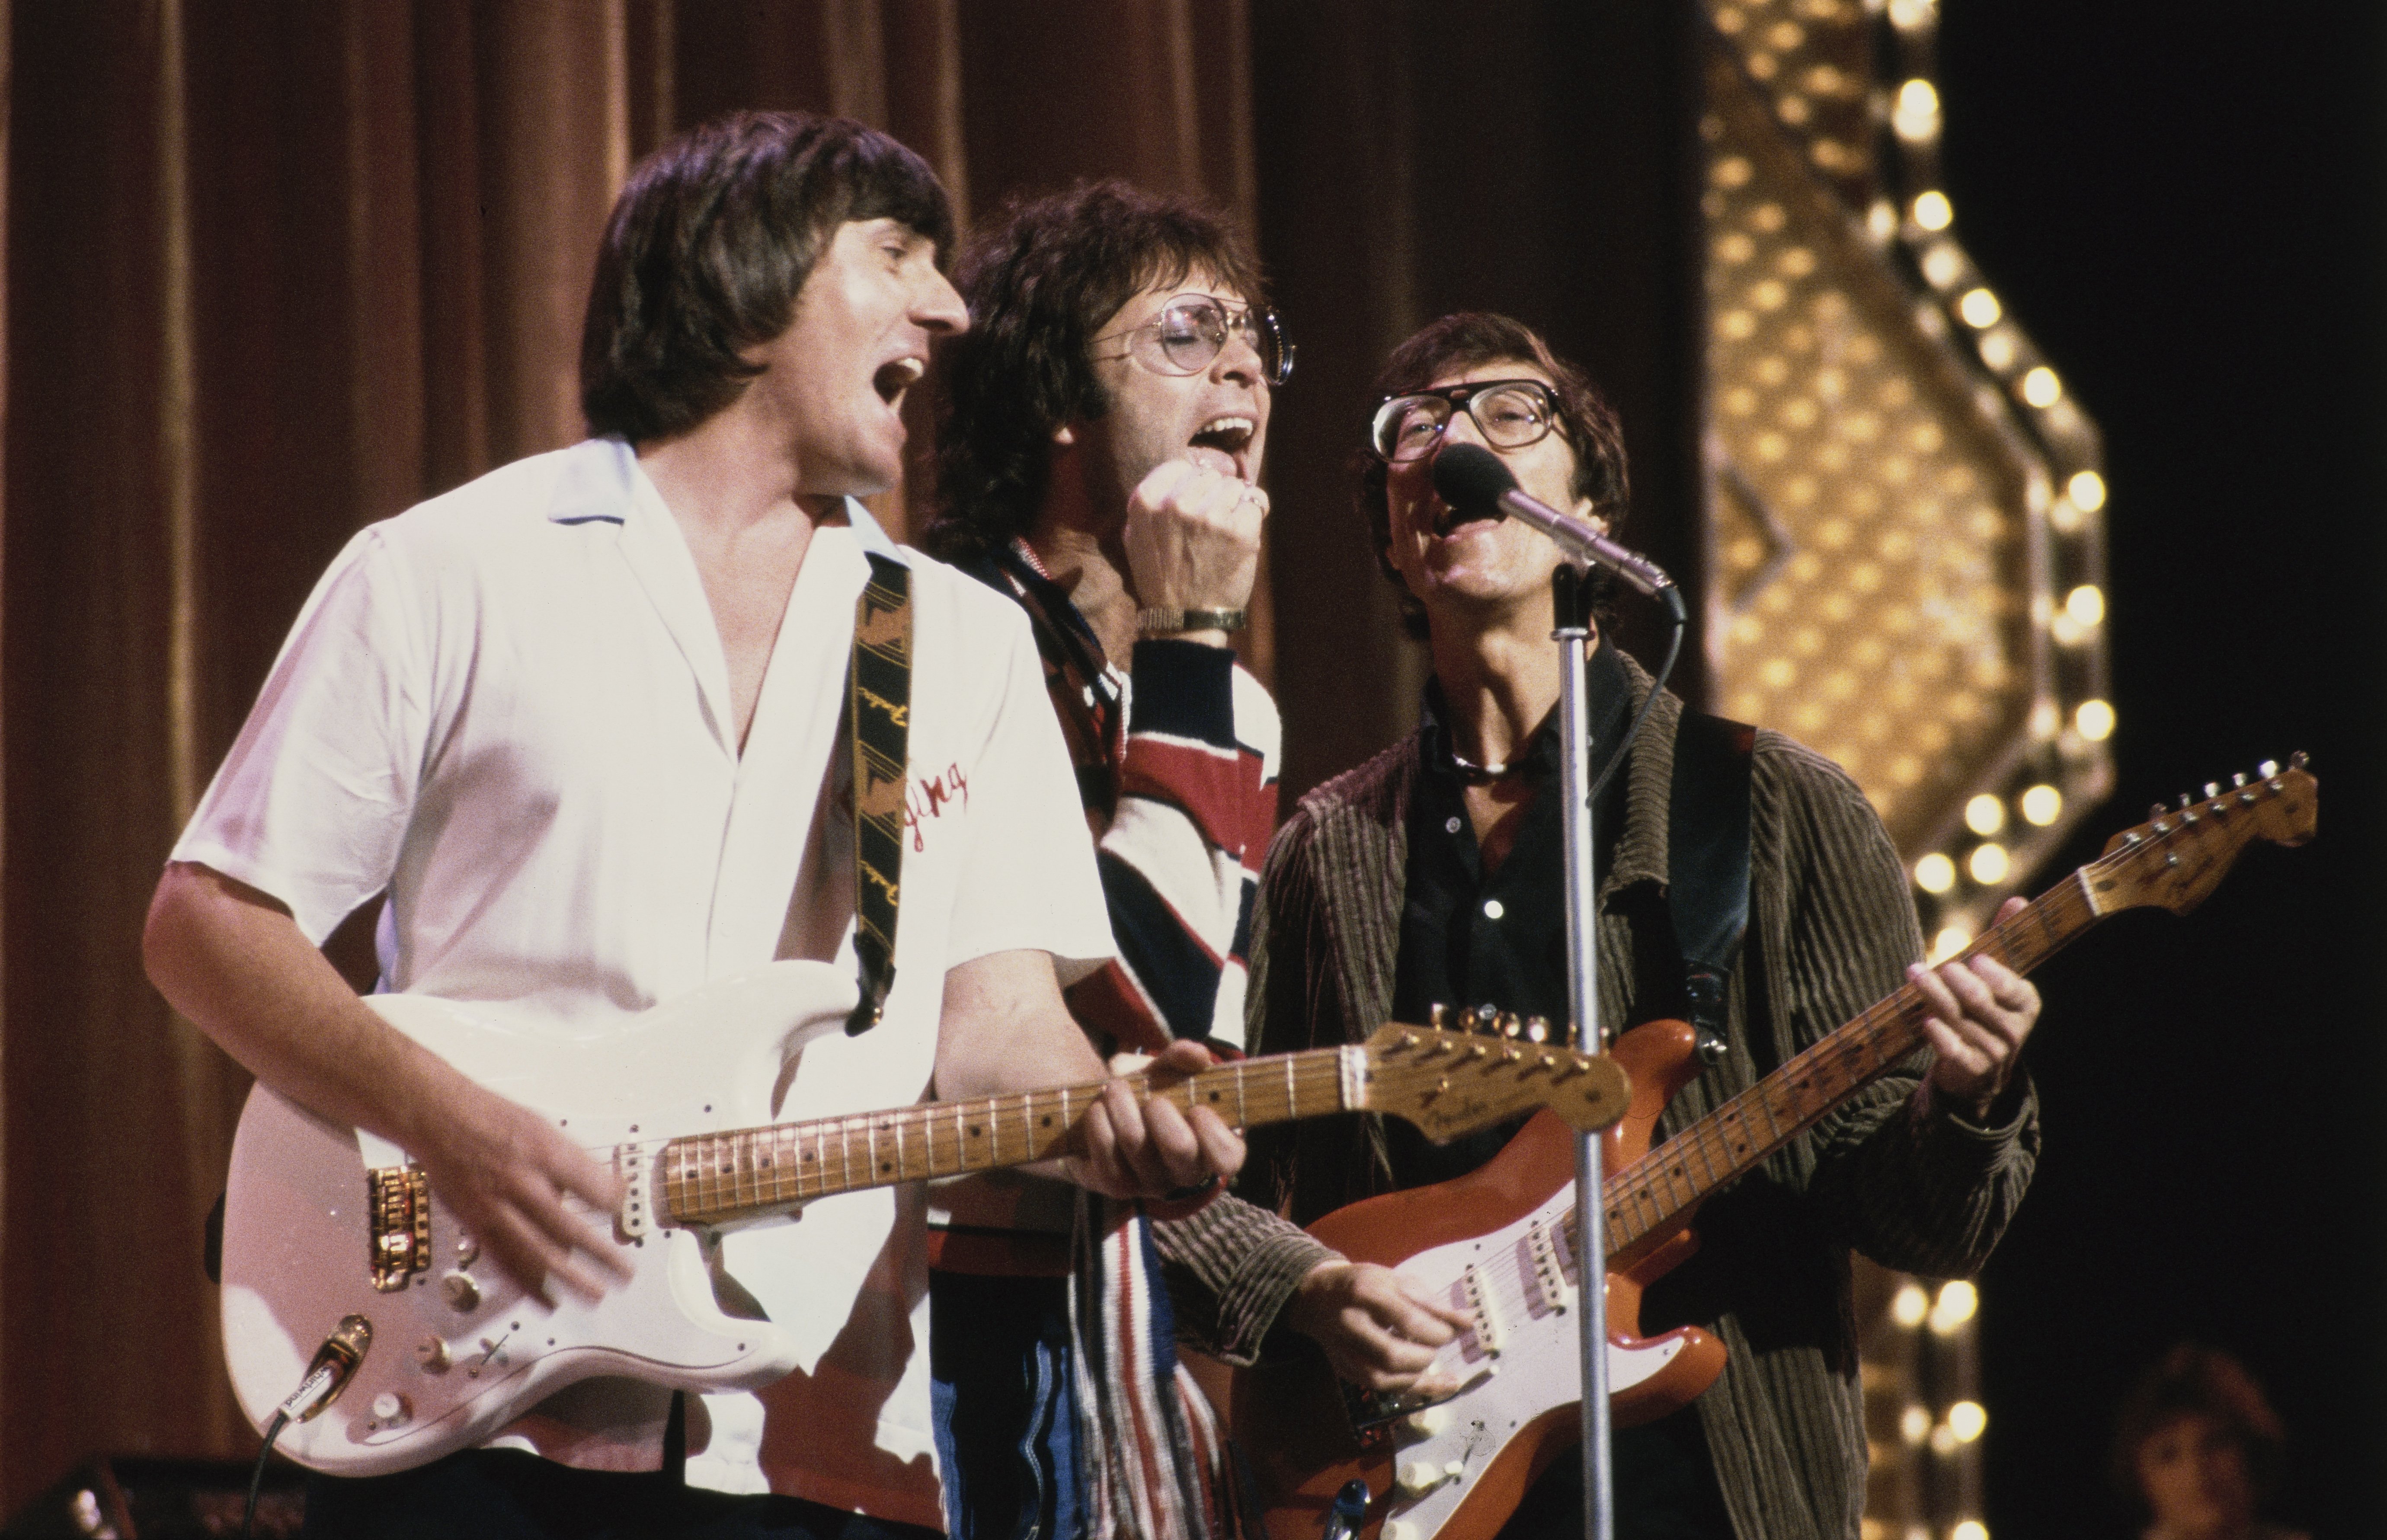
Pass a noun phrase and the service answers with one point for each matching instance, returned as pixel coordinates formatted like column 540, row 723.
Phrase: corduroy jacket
column 1831, row 929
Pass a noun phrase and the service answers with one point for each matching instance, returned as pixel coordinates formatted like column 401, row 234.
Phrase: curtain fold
column 274, row 273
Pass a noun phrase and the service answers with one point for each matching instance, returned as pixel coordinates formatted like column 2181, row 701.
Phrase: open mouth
column 896, row 377
column 1451, row 518
column 1220, row 442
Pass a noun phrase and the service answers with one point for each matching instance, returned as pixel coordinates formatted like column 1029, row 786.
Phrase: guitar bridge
column 397, row 1198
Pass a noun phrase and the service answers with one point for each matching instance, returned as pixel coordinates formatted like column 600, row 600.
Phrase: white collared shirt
column 509, row 709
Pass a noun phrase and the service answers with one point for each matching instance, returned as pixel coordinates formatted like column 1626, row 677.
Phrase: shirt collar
column 603, row 484
column 1619, row 685
column 1611, row 692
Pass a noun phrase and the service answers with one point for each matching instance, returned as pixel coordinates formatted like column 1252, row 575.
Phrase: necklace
column 1477, row 775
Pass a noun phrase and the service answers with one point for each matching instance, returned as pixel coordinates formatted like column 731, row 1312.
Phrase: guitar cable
column 1676, row 612
column 328, row 1373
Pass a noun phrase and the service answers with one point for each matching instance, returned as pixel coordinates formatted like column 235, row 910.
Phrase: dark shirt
column 1455, row 950
column 1470, row 937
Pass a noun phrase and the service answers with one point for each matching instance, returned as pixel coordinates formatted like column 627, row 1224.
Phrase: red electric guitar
column 1500, row 1241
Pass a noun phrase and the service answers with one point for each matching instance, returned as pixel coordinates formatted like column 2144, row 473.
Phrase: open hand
column 1379, row 1330
column 506, row 1175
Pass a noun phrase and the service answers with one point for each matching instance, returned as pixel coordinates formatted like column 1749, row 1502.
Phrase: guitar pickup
column 636, row 1168
column 1490, row 1330
column 1546, row 1261
column 397, row 1198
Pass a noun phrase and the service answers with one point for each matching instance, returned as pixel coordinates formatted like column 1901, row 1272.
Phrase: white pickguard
column 1523, row 1360
column 297, row 1245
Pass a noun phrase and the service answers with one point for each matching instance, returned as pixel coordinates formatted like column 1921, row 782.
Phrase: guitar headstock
column 1454, row 1083
column 2178, row 856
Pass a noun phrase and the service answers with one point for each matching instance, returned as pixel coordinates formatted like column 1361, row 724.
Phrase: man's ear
column 1588, row 512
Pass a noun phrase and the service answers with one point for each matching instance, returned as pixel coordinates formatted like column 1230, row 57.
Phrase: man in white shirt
column 579, row 722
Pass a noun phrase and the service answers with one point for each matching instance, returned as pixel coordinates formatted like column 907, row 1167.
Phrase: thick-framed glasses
column 1191, row 330
column 1509, row 414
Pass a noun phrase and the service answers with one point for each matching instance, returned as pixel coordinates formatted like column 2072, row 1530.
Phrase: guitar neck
column 1656, row 1195
column 746, row 1173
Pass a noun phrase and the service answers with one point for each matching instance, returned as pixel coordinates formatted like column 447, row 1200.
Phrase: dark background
column 2183, row 204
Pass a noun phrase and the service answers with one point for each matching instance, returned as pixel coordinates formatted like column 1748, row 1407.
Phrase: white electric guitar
column 340, row 1266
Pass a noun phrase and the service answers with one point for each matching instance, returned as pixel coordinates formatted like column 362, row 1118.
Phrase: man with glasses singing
column 1432, row 877
column 1100, row 464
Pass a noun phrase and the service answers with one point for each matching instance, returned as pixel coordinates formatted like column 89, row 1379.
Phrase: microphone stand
column 1571, row 589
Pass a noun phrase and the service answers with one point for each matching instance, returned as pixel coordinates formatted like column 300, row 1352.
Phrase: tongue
column 1212, row 458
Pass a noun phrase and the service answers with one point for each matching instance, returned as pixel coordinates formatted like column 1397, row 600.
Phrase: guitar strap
column 1707, row 861
column 879, row 707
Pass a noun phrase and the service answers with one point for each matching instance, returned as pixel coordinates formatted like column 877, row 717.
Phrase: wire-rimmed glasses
column 1191, row 330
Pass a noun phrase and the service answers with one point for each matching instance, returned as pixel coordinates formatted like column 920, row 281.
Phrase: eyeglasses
column 1191, row 330
column 1509, row 414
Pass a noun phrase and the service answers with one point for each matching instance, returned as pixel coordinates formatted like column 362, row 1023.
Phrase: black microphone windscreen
column 1471, row 477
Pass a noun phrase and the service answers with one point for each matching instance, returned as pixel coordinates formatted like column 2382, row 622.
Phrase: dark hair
column 2190, row 1381
column 1464, row 341
column 1038, row 286
column 710, row 244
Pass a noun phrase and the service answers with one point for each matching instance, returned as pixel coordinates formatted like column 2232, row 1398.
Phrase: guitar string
column 743, row 1172
column 1320, row 1073
column 2062, row 913
column 1636, row 1184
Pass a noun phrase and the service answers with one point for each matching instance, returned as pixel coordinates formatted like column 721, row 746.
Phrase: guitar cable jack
column 334, row 1366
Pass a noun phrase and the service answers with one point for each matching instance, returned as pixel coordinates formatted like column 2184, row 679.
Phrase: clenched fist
column 1193, row 539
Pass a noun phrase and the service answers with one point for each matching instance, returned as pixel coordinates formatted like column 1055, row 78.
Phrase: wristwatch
column 1153, row 623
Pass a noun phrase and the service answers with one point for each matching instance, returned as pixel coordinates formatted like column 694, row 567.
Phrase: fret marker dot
column 1451, row 826
column 1493, row 909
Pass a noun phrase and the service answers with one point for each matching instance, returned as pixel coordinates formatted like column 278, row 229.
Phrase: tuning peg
column 1511, row 1024
column 2237, row 779
column 1438, row 1017
column 2299, row 760
column 2212, row 789
column 1487, row 1018
column 2268, row 768
column 1537, row 1027
column 2186, row 801
column 2156, row 811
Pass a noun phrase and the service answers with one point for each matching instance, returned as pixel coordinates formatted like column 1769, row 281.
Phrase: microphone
column 1472, row 478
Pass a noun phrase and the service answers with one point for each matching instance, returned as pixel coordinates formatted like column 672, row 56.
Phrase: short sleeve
column 312, row 802
column 1028, row 880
